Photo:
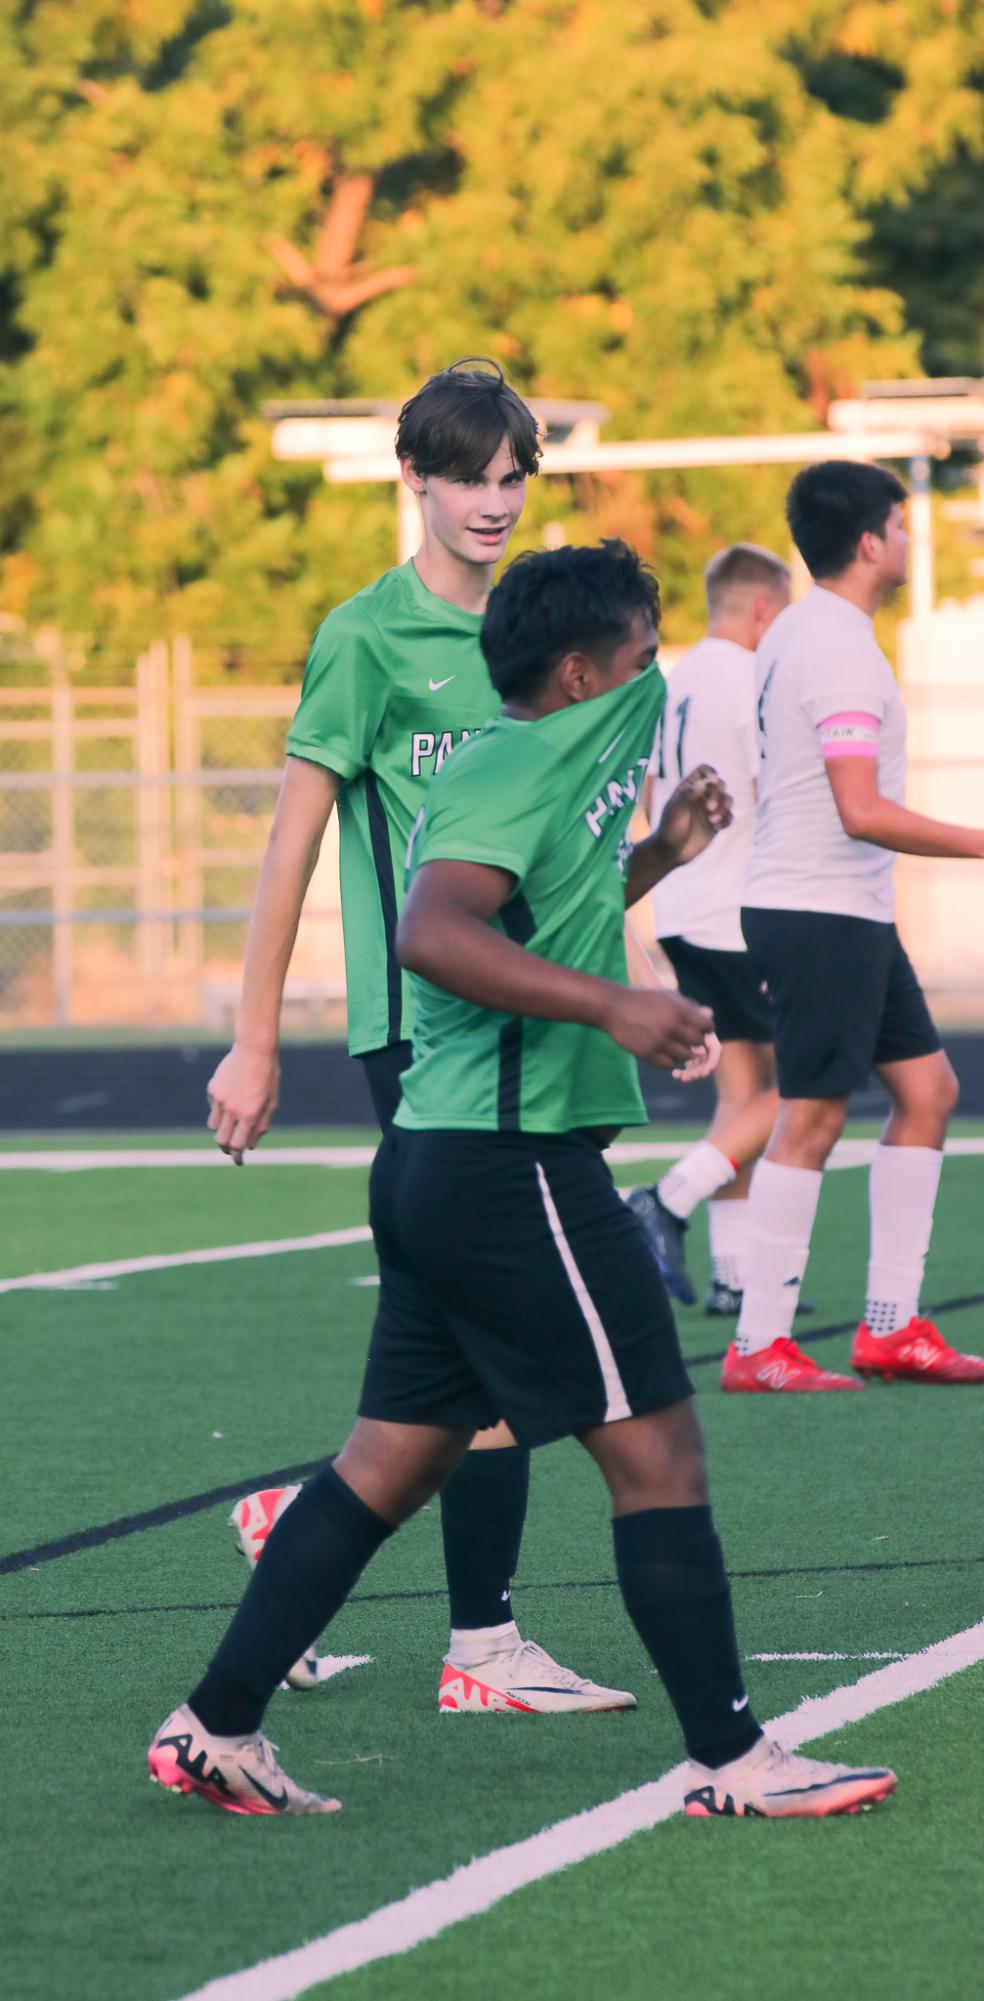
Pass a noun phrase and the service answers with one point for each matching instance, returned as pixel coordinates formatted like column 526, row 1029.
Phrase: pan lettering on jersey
column 429, row 748
column 613, row 798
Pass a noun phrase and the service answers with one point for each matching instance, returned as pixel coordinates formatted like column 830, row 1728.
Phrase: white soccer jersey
column 709, row 718
column 823, row 684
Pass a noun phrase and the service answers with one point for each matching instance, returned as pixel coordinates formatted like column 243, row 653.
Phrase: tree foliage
column 709, row 215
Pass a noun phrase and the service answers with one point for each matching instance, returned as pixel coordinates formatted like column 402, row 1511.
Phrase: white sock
column 700, row 1173
column 902, row 1189
column 782, row 1204
column 470, row 1645
column 727, row 1224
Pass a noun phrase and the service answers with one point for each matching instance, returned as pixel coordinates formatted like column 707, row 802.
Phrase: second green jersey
column 394, row 680
column 550, row 801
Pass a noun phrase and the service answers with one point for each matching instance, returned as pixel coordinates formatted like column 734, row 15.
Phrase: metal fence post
column 62, row 841
column 151, row 816
column 188, row 824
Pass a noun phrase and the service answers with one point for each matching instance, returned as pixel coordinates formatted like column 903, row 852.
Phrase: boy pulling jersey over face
column 551, row 802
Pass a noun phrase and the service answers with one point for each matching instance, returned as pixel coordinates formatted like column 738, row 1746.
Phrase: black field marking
column 569, row 1584
column 806, row 1340
column 195, row 1504
column 152, row 1518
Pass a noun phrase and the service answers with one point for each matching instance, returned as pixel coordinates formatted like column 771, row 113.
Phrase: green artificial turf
column 850, row 1523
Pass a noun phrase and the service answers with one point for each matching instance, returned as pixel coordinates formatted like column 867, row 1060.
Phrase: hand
column 242, row 1098
column 701, row 1063
column 700, row 807
column 660, row 1026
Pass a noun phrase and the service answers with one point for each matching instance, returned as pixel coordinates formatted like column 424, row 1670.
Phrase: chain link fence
column 133, row 819
column 134, row 811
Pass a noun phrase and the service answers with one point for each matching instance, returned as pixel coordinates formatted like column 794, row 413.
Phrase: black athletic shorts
column 384, row 1075
column 728, row 982
column 844, row 995
column 514, row 1283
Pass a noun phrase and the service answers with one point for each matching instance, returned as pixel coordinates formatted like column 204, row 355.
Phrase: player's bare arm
column 244, row 1090
column 695, row 812
column 446, row 936
column 866, row 816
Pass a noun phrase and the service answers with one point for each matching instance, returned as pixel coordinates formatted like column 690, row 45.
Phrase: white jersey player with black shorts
column 819, row 919
column 710, row 718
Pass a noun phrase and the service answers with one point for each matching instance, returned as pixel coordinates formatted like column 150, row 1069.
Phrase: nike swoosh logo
column 277, row 1800
column 435, row 685
column 616, row 740
column 743, row 1704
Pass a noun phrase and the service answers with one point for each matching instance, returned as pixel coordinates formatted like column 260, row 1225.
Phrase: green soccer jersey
column 394, row 679
column 550, row 801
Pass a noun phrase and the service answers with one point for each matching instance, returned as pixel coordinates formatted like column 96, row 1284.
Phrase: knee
column 949, row 1091
column 806, row 1131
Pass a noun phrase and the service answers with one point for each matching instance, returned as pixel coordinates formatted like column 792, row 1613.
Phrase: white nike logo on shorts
column 743, row 1704
column 434, row 685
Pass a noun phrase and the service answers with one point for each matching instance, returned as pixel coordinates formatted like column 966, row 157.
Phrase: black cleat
column 665, row 1233
column 723, row 1302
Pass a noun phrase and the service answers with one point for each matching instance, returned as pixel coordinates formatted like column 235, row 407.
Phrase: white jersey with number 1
column 709, row 718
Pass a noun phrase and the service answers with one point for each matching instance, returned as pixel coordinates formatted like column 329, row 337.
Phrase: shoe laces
column 265, row 1754
column 924, row 1330
column 547, row 1669
column 790, row 1353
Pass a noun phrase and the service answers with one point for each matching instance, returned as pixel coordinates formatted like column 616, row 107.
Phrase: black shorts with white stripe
column 514, row 1283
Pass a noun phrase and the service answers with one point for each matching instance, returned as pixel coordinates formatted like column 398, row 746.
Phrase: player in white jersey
column 710, row 718
column 819, row 918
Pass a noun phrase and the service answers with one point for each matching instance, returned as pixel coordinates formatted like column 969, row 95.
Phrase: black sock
column 312, row 1559
column 676, row 1593
column 483, row 1508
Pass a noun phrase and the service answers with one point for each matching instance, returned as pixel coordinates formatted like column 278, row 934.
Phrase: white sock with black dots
column 902, row 1189
column 782, row 1204
column 698, row 1174
column 727, row 1224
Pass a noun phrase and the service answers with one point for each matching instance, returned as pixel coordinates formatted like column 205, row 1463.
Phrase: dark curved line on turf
column 196, row 1504
column 569, row 1584
column 151, row 1518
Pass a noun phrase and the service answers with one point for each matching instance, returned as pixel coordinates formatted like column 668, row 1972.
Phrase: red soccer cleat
column 782, row 1366
column 915, row 1354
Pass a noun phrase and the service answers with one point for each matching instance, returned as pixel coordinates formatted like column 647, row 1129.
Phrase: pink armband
column 850, row 734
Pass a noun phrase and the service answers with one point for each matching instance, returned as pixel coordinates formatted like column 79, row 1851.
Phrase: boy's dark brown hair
column 831, row 505
column 455, row 424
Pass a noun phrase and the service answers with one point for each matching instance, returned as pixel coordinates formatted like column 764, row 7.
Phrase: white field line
column 478, row 1885
column 81, row 1160
column 77, row 1275
column 894, row 1655
column 625, row 1153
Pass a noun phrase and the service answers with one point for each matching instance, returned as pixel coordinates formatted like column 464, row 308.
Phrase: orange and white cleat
column 781, row 1366
column 527, row 1680
column 769, row 1783
column 915, row 1354
column 252, row 1518
column 239, row 1774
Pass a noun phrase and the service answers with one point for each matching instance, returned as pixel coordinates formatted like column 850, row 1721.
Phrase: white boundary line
column 46, row 1281
column 81, row 1160
column 625, row 1153
column 468, row 1891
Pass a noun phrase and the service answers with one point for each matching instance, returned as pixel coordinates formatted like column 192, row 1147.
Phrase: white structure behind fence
column 133, row 820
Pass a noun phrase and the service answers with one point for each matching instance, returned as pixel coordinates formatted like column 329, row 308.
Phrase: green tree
column 666, row 206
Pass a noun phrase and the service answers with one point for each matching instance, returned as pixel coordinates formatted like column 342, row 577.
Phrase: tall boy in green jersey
column 514, row 1281
column 395, row 679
